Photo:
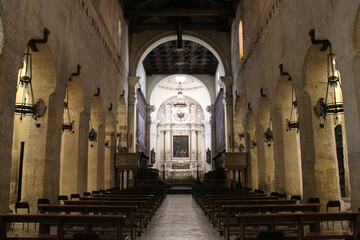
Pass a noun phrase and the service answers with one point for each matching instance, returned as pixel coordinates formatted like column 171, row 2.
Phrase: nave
column 180, row 218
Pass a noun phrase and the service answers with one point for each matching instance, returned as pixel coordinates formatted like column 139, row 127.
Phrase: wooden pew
column 219, row 203
column 96, row 209
column 59, row 220
column 301, row 220
column 215, row 201
column 143, row 208
column 150, row 205
column 231, row 210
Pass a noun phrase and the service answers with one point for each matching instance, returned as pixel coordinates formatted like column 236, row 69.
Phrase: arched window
column 241, row 41
column 119, row 39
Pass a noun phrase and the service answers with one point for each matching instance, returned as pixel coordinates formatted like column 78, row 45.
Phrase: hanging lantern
column 92, row 134
column 27, row 106
column 268, row 135
column 292, row 125
column 332, row 104
column 67, row 125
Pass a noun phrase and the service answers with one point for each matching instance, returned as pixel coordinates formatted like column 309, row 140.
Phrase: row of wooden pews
column 244, row 214
column 116, row 214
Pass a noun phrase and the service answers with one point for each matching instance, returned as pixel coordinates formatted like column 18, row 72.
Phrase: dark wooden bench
column 60, row 220
column 217, row 210
column 143, row 206
column 128, row 210
column 301, row 220
column 229, row 212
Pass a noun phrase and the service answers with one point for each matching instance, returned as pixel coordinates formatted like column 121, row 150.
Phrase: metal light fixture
column 333, row 101
column 292, row 125
column 28, row 107
column 180, row 100
column 67, row 125
column 268, row 135
column 92, row 134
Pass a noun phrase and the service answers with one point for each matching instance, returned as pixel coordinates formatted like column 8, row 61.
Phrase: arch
column 69, row 157
column 204, row 101
column 110, row 142
column 265, row 148
column 168, row 36
column 96, row 151
column 288, row 158
column 30, row 133
column 321, row 161
column 251, row 145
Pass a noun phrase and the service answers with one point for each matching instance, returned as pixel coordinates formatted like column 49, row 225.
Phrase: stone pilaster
column 211, row 110
column 228, row 105
column 133, row 83
column 149, row 110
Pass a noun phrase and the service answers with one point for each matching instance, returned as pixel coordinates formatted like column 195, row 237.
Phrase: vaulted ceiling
column 179, row 56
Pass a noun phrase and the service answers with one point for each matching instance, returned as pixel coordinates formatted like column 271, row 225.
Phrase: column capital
column 228, row 82
column 210, row 109
column 150, row 108
column 133, row 81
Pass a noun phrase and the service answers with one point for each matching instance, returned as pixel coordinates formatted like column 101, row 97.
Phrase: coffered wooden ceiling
column 179, row 15
column 194, row 59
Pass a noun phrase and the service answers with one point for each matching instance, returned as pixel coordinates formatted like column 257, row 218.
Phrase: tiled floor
column 179, row 218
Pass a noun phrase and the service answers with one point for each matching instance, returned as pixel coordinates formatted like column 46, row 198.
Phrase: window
column 241, row 41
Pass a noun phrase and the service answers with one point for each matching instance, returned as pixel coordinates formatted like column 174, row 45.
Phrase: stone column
column 228, row 105
column 211, row 110
column 149, row 110
column 83, row 143
column 100, row 176
column 192, row 143
column 133, row 84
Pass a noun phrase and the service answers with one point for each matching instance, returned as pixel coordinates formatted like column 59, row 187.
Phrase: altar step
column 179, row 190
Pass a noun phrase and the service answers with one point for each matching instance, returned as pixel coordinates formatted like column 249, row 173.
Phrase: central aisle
column 180, row 218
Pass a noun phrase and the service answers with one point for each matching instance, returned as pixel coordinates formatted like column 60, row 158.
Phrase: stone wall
column 82, row 32
column 277, row 32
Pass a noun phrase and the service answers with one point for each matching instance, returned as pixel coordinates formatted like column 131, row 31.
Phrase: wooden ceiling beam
column 178, row 12
column 221, row 3
column 185, row 26
column 137, row 3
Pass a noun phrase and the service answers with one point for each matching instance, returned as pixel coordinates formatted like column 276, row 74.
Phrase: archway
column 96, row 149
column 29, row 135
column 69, row 162
column 251, row 146
column 180, row 138
column 265, row 148
column 288, row 158
column 110, row 143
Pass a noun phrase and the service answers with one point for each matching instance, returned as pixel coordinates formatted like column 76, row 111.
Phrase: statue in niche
column 208, row 155
column 152, row 156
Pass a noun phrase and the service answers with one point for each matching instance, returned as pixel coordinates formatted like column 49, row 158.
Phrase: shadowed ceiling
column 193, row 59
column 179, row 15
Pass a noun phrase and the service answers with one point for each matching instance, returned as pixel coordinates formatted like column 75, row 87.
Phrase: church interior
column 179, row 119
